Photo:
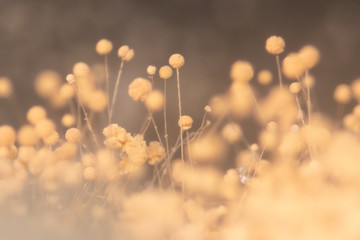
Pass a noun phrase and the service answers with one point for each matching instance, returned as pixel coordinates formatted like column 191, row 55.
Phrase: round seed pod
column 139, row 89
column 241, row 71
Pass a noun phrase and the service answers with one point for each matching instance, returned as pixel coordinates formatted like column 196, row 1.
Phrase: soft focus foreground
column 62, row 178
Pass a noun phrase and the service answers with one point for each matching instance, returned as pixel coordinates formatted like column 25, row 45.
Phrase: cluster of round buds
column 241, row 71
column 342, row 94
column 275, row 45
column 125, row 53
column 185, row 122
column 6, row 88
column 139, row 89
column 116, row 136
column 104, row 46
column 155, row 101
column 165, row 72
column 176, row 61
column 151, row 70
column 155, row 153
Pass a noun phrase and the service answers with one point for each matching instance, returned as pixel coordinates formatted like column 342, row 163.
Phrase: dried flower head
column 342, row 93
column 6, row 87
column 47, row 83
column 231, row 132
column 68, row 120
column 275, row 45
column 27, row 136
column 241, row 71
column 103, row 46
column 7, row 135
column 151, row 70
column 129, row 55
column 139, row 89
column 309, row 55
column 122, row 51
column 35, row 114
column 264, row 77
column 44, row 127
column 295, row 87
column 52, row 139
column 165, row 72
column 155, row 153
column 155, row 101
column 293, row 67
column 176, row 61
column 80, row 69
column 185, row 122
column 73, row 135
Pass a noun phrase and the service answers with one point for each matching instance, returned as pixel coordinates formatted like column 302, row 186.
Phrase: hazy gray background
column 211, row 34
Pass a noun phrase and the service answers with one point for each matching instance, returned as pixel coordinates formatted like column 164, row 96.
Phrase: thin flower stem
column 279, row 70
column 116, row 90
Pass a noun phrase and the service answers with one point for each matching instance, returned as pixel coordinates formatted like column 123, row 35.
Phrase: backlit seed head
column 275, row 45
column 7, row 135
column 103, row 46
column 122, row 51
column 44, row 127
column 52, row 139
column 151, row 70
column 264, row 77
column 155, row 101
column 129, row 55
column 47, row 83
column 27, row 136
column 241, row 71
column 68, row 120
column 70, row 78
column 6, row 88
column 185, row 122
column 139, row 89
column 36, row 114
column 165, row 72
column 342, row 93
column 73, row 135
column 176, row 60
column 295, row 87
